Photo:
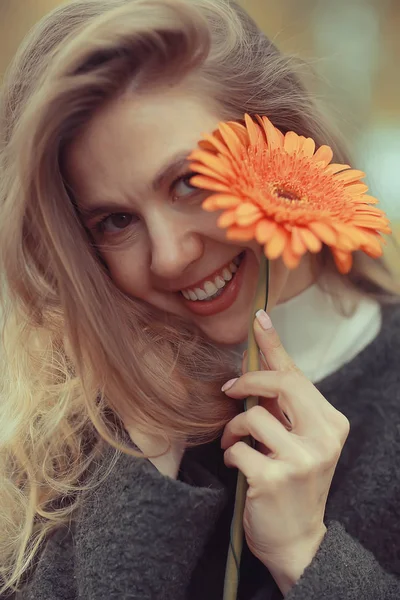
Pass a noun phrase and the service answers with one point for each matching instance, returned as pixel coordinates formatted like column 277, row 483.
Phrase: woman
column 112, row 347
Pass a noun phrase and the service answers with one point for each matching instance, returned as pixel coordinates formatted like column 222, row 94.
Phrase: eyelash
column 185, row 178
column 98, row 227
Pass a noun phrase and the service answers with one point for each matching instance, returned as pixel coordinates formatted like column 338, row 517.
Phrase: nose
column 175, row 245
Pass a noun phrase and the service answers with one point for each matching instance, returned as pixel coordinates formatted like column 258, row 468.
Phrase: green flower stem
column 253, row 364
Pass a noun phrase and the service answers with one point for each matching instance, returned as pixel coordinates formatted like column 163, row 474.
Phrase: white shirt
column 316, row 334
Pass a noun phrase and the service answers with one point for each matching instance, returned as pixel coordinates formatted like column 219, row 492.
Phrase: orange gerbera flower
column 279, row 190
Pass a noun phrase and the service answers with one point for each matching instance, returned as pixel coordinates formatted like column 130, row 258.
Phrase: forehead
column 133, row 136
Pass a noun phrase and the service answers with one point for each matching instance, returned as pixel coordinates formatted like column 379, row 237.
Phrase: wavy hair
column 74, row 348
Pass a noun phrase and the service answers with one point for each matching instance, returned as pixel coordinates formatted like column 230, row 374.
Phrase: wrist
column 288, row 566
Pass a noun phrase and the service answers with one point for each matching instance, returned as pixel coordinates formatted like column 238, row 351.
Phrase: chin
column 228, row 333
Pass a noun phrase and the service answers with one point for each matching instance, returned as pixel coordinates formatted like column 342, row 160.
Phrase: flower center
column 286, row 194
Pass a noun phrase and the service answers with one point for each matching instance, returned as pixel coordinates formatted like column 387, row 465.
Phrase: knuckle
column 341, row 424
column 270, row 483
column 329, row 451
column 304, row 465
column 344, row 426
column 294, row 369
column 254, row 413
column 330, row 459
column 274, row 342
column 290, row 378
column 335, row 449
column 235, row 450
column 249, row 378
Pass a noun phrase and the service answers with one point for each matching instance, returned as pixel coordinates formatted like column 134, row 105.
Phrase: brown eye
column 117, row 222
column 182, row 187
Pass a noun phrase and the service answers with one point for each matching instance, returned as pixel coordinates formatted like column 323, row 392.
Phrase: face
column 130, row 177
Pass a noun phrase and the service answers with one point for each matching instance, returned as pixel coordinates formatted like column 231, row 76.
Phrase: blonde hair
column 74, row 348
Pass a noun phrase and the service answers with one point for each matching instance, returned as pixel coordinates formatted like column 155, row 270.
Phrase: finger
column 269, row 384
column 298, row 398
column 255, row 466
column 270, row 344
column 273, row 407
column 270, row 404
column 263, row 427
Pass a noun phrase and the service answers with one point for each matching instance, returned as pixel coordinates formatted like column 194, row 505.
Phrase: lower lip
column 206, row 308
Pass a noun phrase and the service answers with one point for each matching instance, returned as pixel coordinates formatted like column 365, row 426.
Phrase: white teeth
column 233, row 267
column 201, row 295
column 210, row 288
column 219, row 282
column 226, row 274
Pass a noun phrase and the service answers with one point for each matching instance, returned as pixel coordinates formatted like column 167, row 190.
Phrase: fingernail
column 244, row 354
column 229, row 384
column 264, row 320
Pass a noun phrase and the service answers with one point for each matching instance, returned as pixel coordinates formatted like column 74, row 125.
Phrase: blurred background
column 353, row 46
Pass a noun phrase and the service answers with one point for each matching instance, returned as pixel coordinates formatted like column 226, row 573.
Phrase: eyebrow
column 176, row 164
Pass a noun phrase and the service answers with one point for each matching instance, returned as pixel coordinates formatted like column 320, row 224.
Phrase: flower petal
column 350, row 238
column 371, row 222
column 298, row 245
column 373, row 246
column 216, row 163
column 325, row 232
column 302, row 139
column 247, row 214
column 291, row 143
column 220, row 202
column 241, row 234
column 247, row 208
column 264, row 230
column 367, row 209
column 254, row 132
column 203, row 170
column 363, row 199
column 312, row 242
column 290, row 259
column 206, row 146
column 356, row 189
column 343, row 261
column 275, row 138
column 231, row 140
column 216, row 144
column 336, row 168
column 275, row 246
column 370, row 199
column 240, row 131
column 227, row 219
column 324, row 154
column 308, row 147
column 208, row 184
column 350, row 176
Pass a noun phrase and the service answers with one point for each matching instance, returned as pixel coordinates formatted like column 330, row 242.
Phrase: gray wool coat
column 143, row 536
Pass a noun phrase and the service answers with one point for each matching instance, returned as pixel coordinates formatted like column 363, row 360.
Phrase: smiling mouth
column 211, row 288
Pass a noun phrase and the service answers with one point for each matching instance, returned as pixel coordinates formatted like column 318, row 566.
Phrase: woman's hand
column 299, row 439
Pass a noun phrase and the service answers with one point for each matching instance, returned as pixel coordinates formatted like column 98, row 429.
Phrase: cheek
column 129, row 272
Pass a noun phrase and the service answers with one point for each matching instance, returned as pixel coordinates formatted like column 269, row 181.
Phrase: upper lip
column 199, row 282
